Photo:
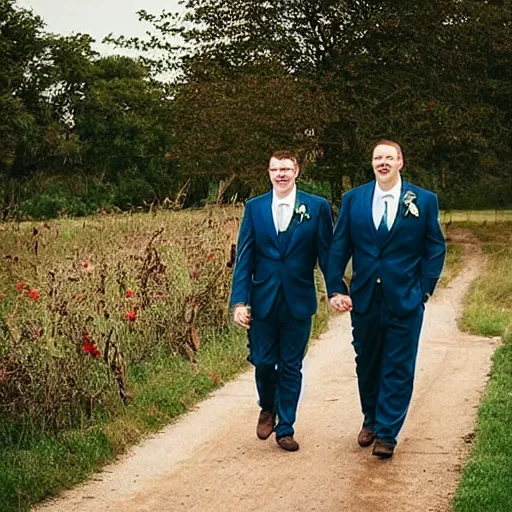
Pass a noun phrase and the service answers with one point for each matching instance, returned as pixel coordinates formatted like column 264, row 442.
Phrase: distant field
column 476, row 216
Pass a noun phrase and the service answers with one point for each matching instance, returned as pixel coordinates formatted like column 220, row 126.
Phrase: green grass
column 453, row 264
column 39, row 461
column 37, row 465
column 163, row 389
column 486, row 484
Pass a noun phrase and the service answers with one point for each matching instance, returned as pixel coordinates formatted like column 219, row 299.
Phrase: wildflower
column 131, row 315
column 195, row 276
column 129, row 293
column 33, row 294
column 20, row 287
column 85, row 264
column 211, row 256
column 37, row 333
column 87, row 339
column 90, row 348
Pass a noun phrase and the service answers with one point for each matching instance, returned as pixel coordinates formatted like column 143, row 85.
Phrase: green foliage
column 487, row 477
column 19, row 45
column 80, row 279
column 433, row 75
column 230, row 124
column 213, row 95
column 163, row 388
column 489, row 304
column 65, row 411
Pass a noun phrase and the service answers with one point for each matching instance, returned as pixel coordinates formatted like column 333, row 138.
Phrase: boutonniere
column 301, row 212
column 410, row 205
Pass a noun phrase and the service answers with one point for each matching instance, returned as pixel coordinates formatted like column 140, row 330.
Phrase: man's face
column 282, row 175
column 387, row 164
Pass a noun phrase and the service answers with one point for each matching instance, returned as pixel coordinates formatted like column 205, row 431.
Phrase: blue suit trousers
column 386, row 346
column 277, row 345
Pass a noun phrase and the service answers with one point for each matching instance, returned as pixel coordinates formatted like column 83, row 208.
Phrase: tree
column 20, row 43
column 415, row 71
column 230, row 124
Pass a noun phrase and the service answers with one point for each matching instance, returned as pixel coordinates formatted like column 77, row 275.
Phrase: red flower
column 33, row 294
column 195, row 276
column 20, row 286
column 85, row 264
column 87, row 339
column 129, row 293
column 211, row 256
column 37, row 333
column 90, row 348
column 131, row 315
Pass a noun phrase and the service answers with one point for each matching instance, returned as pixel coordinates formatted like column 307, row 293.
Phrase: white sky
column 97, row 17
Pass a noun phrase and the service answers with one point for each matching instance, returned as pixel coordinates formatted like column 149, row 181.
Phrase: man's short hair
column 391, row 143
column 286, row 155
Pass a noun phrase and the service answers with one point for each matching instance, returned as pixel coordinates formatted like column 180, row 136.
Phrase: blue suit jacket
column 262, row 268
column 409, row 262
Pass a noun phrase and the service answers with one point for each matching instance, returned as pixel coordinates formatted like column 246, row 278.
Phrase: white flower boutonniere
column 410, row 205
column 302, row 213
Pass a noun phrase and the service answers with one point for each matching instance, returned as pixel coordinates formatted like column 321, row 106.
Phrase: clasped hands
column 341, row 303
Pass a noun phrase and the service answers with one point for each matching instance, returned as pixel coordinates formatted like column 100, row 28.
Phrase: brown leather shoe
column 365, row 437
column 288, row 443
column 265, row 425
column 382, row 449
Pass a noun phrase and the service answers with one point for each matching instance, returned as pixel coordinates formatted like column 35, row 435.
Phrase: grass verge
column 487, row 479
column 44, row 465
column 163, row 389
column 453, row 264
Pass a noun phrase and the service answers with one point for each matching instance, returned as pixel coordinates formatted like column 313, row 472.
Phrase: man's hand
column 341, row 303
column 242, row 316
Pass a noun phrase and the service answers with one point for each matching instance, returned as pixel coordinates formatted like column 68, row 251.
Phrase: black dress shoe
column 382, row 449
column 288, row 443
column 365, row 437
column 265, row 425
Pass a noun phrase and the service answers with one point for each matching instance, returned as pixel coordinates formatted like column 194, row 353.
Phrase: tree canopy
column 220, row 87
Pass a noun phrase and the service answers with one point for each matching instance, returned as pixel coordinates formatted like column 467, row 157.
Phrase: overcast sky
column 97, row 17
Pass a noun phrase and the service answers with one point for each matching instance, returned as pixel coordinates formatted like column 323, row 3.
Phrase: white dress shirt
column 282, row 209
column 392, row 197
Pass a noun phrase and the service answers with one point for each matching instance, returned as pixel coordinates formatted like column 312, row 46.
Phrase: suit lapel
column 367, row 209
column 291, row 232
column 268, row 218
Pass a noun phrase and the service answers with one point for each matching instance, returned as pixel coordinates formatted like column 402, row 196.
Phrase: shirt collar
column 289, row 199
column 395, row 191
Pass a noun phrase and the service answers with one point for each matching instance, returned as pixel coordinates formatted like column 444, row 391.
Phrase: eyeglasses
column 282, row 169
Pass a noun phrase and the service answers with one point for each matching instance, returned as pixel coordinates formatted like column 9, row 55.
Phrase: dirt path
column 212, row 461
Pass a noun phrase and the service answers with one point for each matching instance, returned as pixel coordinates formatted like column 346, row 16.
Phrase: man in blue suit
column 391, row 230
column 282, row 236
